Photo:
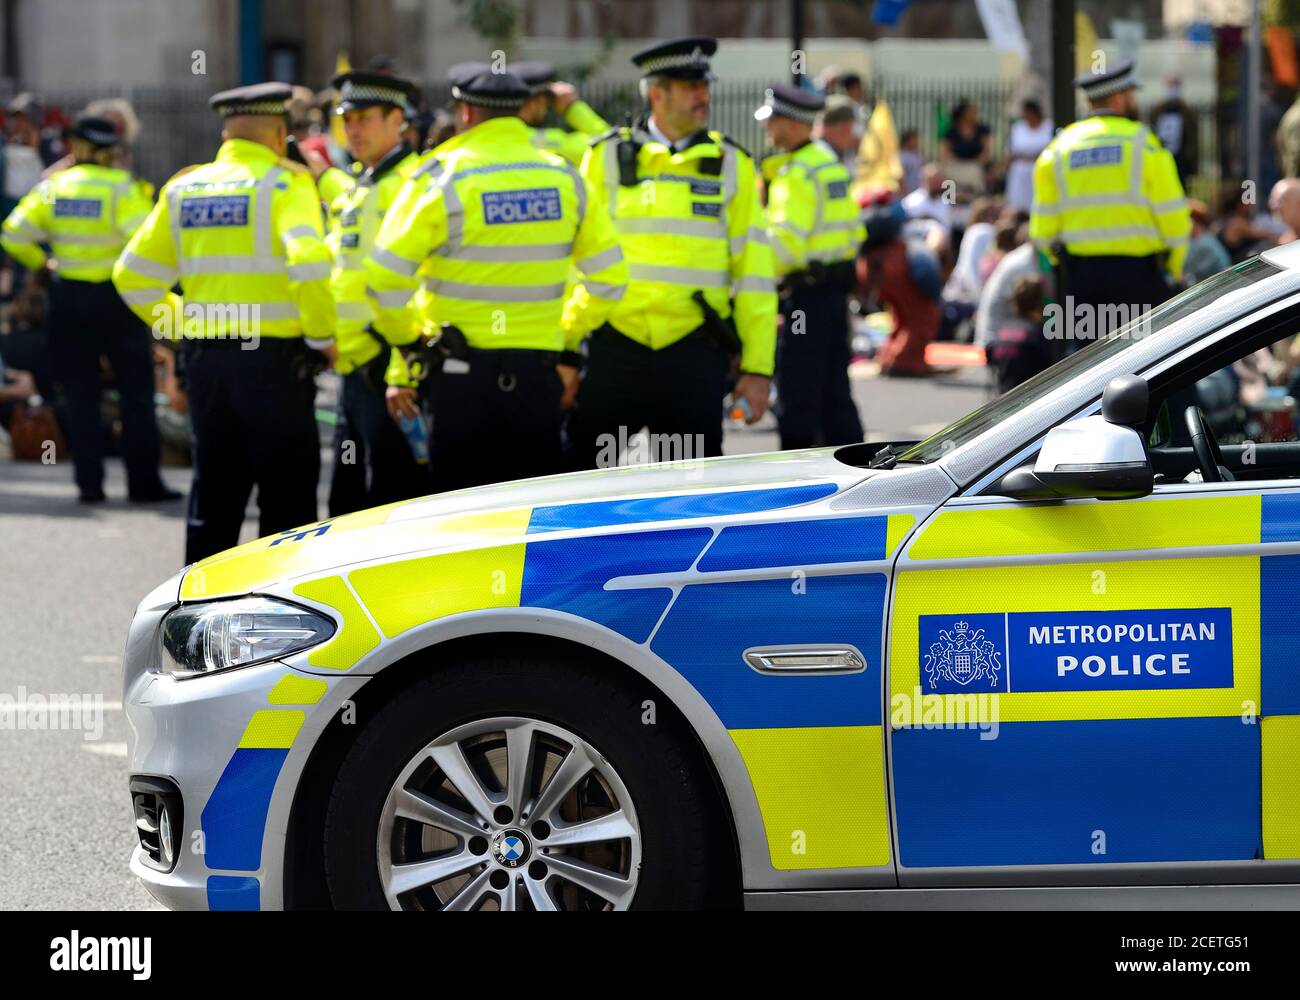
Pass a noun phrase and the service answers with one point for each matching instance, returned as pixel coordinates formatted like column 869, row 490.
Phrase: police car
column 1048, row 656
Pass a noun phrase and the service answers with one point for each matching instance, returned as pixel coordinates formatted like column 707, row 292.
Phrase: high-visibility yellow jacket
column 586, row 125
column 243, row 236
column 691, row 221
column 490, row 225
column 1106, row 186
column 337, row 181
column 810, row 216
column 354, row 221
column 85, row 214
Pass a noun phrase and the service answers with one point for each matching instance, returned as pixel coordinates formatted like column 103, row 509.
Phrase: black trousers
column 254, row 424
column 498, row 421
column 373, row 464
column 89, row 320
column 675, row 392
column 814, row 398
column 1116, row 289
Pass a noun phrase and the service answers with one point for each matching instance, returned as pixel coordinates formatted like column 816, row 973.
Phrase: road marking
column 105, row 749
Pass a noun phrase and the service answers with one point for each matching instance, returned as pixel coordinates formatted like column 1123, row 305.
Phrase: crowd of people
column 470, row 355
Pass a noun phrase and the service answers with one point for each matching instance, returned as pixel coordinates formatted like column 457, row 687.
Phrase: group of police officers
column 510, row 275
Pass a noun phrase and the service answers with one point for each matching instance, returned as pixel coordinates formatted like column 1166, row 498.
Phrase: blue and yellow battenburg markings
column 813, row 746
column 234, row 818
column 1147, row 708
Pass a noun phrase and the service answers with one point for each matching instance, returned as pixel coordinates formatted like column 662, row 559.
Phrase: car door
column 1075, row 689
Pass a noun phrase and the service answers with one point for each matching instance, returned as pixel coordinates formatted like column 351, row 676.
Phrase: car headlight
column 218, row 635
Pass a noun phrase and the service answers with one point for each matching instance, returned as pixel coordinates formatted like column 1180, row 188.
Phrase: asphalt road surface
column 72, row 577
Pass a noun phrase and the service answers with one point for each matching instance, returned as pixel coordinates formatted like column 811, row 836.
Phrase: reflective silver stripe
column 142, row 296
column 841, row 226
column 1058, row 167
column 23, row 238
column 87, row 239
column 496, row 168
column 790, row 227
column 580, row 192
column 786, row 256
column 391, row 300
column 132, row 224
column 611, row 176
column 394, row 262
column 262, row 242
column 352, row 310
column 600, row 261
column 495, row 293
column 27, row 229
column 828, row 256
column 730, row 158
column 1069, row 236
column 231, row 263
column 691, row 276
column 758, row 234
column 512, row 254
column 606, row 289
column 174, row 216
column 300, row 232
column 1177, row 241
column 149, row 268
column 755, row 285
column 1172, row 205
column 1038, row 208
column 350, row 262
column 455, row 214
column 1098, row 200
column 315, row 271
column 1135, row 165
column 259, row 310
column 705, row 228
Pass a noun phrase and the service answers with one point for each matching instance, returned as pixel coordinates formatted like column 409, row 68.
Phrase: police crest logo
column 961, row 656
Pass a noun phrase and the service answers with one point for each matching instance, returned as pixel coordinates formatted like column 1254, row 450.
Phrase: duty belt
column 840, row 275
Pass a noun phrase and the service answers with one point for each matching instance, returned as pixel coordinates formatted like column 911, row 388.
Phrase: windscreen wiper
column 885, row 458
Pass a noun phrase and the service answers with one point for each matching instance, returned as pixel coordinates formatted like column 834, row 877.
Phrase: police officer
column 684, row 201
column 545, row 92
column 1109, row 208
column 243, row 236
column 86, row 214
column 373, row 463
column 815, row 232
column 493, row 225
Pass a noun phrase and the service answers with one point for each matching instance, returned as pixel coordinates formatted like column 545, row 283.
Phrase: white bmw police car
column 1050, row 654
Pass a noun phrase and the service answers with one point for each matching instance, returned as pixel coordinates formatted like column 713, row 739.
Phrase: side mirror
column 1102, row 457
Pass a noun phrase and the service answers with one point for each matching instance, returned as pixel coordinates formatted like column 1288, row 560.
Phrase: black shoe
column 97, row 497
column 162, row 494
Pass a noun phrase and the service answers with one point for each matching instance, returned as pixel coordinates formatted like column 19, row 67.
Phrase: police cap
column 97, row 131
column 1098, row 86
column 360, row 89
column 476, row 83
column 788, row 101
column 257, row 99
column 535, row 75
column 682, row 58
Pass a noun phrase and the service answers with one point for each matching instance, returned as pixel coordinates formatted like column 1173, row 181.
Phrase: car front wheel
column 519, row 785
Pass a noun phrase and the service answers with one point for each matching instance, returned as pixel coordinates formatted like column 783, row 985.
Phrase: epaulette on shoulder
column 615, row 131
column 182, row 172
column 728, row 140
column 293, row 165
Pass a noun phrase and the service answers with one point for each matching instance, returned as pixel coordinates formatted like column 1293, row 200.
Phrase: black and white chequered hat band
column 360, row 92
column 1107, row 87
column 787, row 110
column 487, row 102
column 686, row 60
column 254, row 108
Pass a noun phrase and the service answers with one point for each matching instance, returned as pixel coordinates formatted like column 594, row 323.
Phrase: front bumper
column 235, row 744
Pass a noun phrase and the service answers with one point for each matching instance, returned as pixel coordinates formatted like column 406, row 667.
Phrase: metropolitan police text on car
column 533, row 205
column 1078, row 650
